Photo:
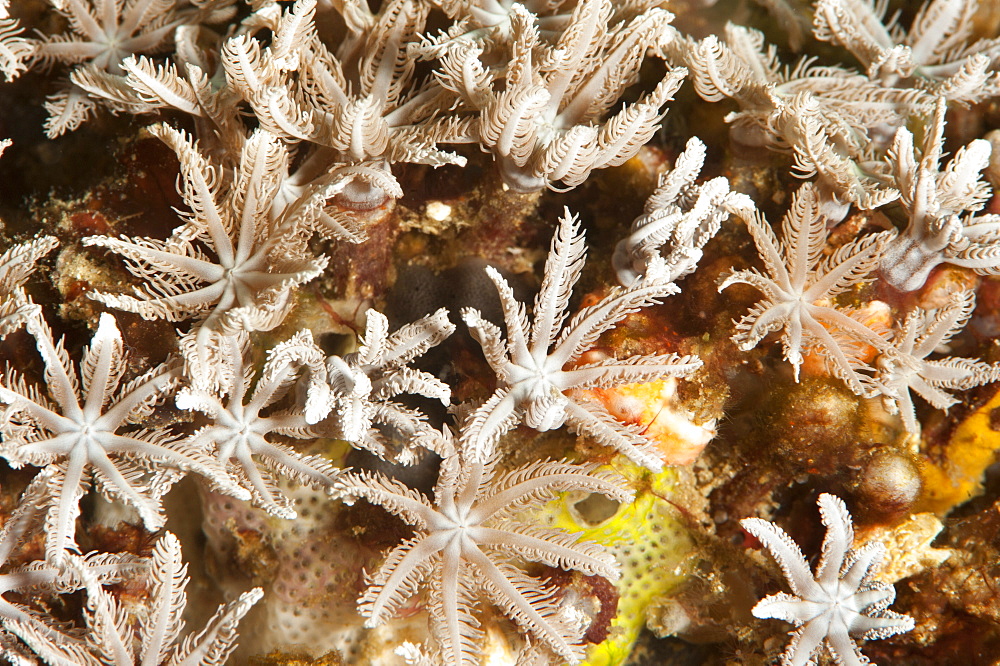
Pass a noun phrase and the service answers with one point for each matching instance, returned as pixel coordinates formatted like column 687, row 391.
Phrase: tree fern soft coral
column 207, row 85
column 83, row 432
column 534, row 364
column 41, row 575
column 102, row 33
column 489, row 23
column 679, row 215
column 837, row 604
column 16, row 266
column 15, row 48
column 830, row 118
column 240, row 421
column 905, row 366
column 366, row 110
column 934, row 54
column 364, row 385
column 258, row 260
column 115, row 639
column 299, row 124
column 935, row 200
column 798, row 284
column 468, row 542
column 743, row 68
column 542, row 115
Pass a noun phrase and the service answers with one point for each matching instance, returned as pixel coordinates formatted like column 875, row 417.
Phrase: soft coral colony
column 506, row 468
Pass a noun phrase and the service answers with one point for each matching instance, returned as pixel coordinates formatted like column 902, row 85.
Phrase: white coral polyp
column 535, row 364
column 840, row 602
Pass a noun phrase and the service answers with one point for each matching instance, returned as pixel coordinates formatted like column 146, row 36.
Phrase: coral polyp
column 455, row 332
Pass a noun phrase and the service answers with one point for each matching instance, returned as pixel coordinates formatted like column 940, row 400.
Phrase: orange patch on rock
column 653, row 406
